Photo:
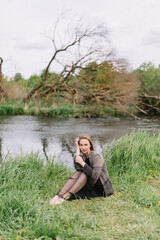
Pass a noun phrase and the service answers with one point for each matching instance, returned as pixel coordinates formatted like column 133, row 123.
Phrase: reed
column 134, row 163
column 18, row 107
column 11, row 109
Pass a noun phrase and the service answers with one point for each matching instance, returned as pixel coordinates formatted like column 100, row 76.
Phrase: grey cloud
column 152, row 39
column 33, row 46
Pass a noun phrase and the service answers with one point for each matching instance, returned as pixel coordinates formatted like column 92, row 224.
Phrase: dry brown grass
column 14, row 91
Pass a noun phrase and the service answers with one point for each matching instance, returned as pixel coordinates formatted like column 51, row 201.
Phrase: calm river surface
column 55, row 137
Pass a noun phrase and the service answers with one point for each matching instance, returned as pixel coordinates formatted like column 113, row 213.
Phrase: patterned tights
column 73, row 185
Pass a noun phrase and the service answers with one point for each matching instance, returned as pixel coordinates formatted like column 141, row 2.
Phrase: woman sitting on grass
column 91, row 177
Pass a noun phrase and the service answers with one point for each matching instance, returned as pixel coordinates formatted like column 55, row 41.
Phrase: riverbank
column 67, row 110
column 132, row 212
column 58, row 110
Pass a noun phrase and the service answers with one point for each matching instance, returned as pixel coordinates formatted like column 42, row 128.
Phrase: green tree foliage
column 98, row 74
column 51, row 76
column 35, row 79
column 150, row 78
column 110, row 85
column 17, row 77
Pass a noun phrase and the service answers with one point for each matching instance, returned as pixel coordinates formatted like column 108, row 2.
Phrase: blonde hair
column 85, row 136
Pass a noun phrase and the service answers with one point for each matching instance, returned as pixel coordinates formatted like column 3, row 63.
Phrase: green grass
column 134, row 164
column 67, row 110
column 11, row 109
column 36, row 108
column 133, row 212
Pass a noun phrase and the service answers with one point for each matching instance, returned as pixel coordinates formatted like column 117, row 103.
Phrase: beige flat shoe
column 59, row 200
column 54, row 199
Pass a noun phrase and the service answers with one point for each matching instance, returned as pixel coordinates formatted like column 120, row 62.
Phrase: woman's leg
column 73, row 185
column 70, row 183
column 79, row 184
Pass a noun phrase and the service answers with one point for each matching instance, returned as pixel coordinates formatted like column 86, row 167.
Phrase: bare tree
column 149, row 104
column 81, row 45
column 88, row 50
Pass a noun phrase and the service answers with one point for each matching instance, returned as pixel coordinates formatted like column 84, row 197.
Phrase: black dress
column 89, row 191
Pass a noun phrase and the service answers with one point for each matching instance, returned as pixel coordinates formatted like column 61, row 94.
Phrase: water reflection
column 55, row 137
column 45, row 146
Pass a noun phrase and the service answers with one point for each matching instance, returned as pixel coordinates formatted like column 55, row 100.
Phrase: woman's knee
column 75, row 175
column 82, row 178
column 83, row 175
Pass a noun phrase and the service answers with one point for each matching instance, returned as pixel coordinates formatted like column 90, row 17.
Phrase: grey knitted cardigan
column 96, row 170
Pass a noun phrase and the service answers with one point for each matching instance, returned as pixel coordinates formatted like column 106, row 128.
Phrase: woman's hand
column 76, row 142
column 80, row 161
column 77, row 146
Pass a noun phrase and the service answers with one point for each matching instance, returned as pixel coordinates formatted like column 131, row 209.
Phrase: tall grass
column 27, row 184
column 134, row 163
column 18, row 107
column 11, row 109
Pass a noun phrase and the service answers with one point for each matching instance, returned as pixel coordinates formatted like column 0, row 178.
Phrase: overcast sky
column 134, row 27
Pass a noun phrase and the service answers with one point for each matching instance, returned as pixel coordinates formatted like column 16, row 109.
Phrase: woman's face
column 84, row 146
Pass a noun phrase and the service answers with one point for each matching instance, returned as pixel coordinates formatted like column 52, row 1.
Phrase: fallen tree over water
column 149, row 92
column 90, row 73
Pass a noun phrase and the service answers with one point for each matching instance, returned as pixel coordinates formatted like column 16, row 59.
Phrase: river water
column 54, row 137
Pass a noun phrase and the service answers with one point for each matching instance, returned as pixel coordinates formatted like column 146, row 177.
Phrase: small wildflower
column 120, row 194
column 158, row 203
